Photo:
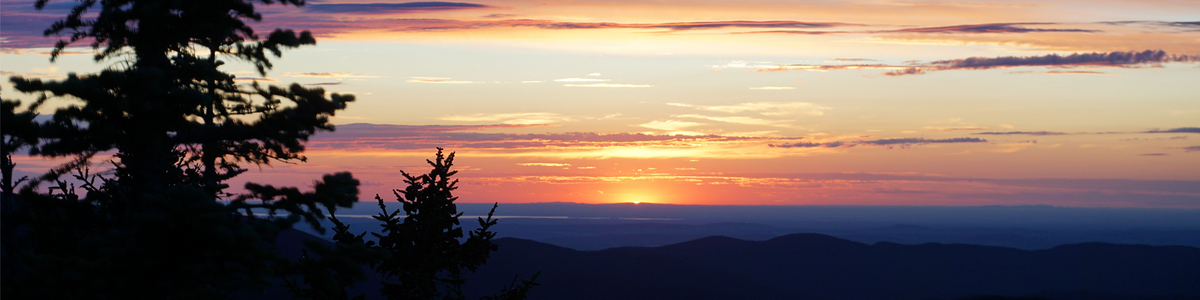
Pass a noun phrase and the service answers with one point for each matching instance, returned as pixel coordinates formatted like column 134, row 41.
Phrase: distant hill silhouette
column 814, row 266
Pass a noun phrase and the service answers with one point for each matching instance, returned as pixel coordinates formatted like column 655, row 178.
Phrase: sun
column 638, row 198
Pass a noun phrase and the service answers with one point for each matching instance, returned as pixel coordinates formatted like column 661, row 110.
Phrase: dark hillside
column 813, row 266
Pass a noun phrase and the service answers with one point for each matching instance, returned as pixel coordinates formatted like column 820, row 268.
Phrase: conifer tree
column 425, row 253
column 158, row 226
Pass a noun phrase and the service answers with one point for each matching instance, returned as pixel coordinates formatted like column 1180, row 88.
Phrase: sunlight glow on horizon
column 726, row 103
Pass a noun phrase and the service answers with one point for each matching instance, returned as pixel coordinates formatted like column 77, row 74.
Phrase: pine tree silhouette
column 425, row 253
column 160, row 225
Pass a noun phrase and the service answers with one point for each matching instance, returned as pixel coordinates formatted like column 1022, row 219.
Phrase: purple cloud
column 360, row 135
column 985, row 28
column 390, row 8
column 1176, row 130
column 880, row 142
column 1024, row 133
column 1107, row 59
column 918, row 141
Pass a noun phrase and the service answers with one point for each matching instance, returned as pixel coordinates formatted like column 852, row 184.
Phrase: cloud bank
column 903, row 142
column 1118, row 59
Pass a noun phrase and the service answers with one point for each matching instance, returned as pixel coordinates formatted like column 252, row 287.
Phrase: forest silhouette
column 171, row 128
column 143, row 208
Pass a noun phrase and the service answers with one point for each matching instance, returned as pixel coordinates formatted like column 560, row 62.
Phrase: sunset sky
column 999, row 102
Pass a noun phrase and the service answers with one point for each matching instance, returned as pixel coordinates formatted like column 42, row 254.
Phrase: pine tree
column 161, row 224
column 426, row 252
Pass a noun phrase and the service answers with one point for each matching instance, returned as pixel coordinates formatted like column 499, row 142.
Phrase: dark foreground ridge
column 814, row 266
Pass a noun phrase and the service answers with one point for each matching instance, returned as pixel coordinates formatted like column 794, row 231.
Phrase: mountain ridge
column 817, row 266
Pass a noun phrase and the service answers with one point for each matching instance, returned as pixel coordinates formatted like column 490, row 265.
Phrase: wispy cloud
column 32, row 75
column 1186, row 26
column 902, row 142
column 609, row 85
column 327, row 75
column 738, row 120
column 389, row 8
column 511, row 118
column 405, row 140
column 1148, row 58
column 670, row 125
column 919, row 141
column 991, row 28
column 438, row 80
column 986, row 28
column 581, row 80
column 673, row 26
column 962, row 4
column 1176, row 130
column 773, row 88
column 1023, row 133
column 1110, row 59
column 544, row 164
column 256, row 79
column 949, row 129
column 1060, row 72
column 764, row 108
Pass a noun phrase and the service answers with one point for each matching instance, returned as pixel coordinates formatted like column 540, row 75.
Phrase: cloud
column 1132, row 59
column 438, row 80
column 853, row 59
column 919, row 141
column 327, row 75
column 738, row 120
column 774, row 88
column 1023, row 133
column 1059, row 72
column 764, row 108
column 324, row 83
column 366, row 130
column 807, row 67
column 991, row 28
column 903, row 142
column 256, row 79
column 609, row 85
column 32, row 75
column 389, row 8
column 1152, row 154
column 440, row 24
column 674, row 26
column 670, row 125
column 985, row 28
column 1191, row 149
column 544, row 164
column 905, row 71
column 511, row 118
column 1110, row 59
column 581, row 80
column 961, row 4
column 1186, row 26
column 949, row 129
column 813, row 145
column 1176, row 130
column 500, row 16
column 385, row 138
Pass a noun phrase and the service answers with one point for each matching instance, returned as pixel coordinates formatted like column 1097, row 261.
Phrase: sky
column 959, row 103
